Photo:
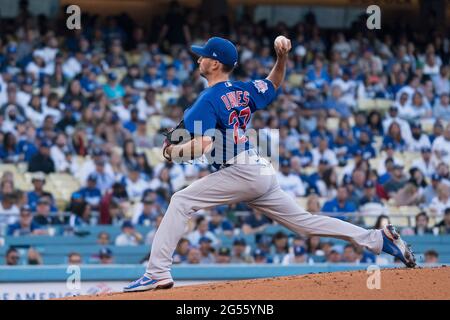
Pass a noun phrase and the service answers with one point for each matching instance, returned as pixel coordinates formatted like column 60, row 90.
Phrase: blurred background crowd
column 363, row 123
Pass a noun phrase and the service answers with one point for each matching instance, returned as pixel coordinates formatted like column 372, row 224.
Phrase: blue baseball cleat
column 394, row 245
column 146, row 283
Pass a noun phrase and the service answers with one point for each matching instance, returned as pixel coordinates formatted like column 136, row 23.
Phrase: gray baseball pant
column 261, row 191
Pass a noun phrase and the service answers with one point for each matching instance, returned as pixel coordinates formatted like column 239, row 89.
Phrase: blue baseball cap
column 435, row 177
column 299, row 251
column 259, row 253
column 218, row 49
column 204, row 239
column 369, row 184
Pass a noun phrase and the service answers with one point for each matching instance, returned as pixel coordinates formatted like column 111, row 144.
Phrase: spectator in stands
column 370, row 194
column 201, row 230
column 223, row 255
column 289, row 182
column 218, row 223
column 350, row 254
column 42, row 160
column 430, row 191
column 280, row 247
column 444, row 225
column 43, row 216
column 381, row 222
column 110, row 202
column 313, row 245
column 299, row 255
column 256, row 222
column 105, row 256
column 113, row 90
column 9, row 212
column 259, row 256
column 25, row 225
column 194, row 256
column 422, row 222
column 12, row 257
column 441, row 146
column 80, row 213
column 58, row 153
column 441, row 109
column 104, row 179
column 431, row 256
column 396, row 181
column 340, row 204
column 33, row 257
column 418, row 139
column 418, row 109
column 181, row 252
column 134, row 183
column 323, row 152
column 395, row 136
column 239, row 254
column 103, row 239
column 328, row 184
column 409, row 195
column 335, row 255
column 150, row 210
column 441, row 202
column 206, row 250
column 90, row 193
column 129, row 236
column 74, row 258
column 38, row 181
column 424, row 164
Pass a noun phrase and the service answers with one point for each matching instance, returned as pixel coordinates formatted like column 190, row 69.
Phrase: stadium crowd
column 90, row 93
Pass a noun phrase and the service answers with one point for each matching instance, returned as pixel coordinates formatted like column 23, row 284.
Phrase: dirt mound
column 427, row 283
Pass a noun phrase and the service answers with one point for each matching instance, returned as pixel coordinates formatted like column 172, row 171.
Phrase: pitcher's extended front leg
column 281, row 207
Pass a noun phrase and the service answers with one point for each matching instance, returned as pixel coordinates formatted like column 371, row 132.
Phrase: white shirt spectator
column 404, row 126
column 135, row 189
column 416, row 112
column 439, row 206
column 442, row 146
column 71, row 67
column 88, row 168
column 417, row 144
column 291, row 184
column 441, row 111
column 145, row 109
column 194, row 237
column 8, row 216
column 23, row 98
column 55, row 113
column 59, row 158
column 37, row 118
column 427, row 168
column 408, row 90
column 124, row 239
column 348, row 89
column 328, row 155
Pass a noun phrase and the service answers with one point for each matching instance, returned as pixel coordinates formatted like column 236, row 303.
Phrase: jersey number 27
column 233, row 120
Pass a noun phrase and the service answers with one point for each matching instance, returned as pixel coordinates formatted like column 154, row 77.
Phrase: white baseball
column 281, row 42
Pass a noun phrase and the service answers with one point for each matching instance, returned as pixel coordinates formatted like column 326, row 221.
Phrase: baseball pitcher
column 216, row 123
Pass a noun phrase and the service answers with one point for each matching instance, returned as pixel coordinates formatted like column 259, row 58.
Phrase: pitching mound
column 428, row 283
